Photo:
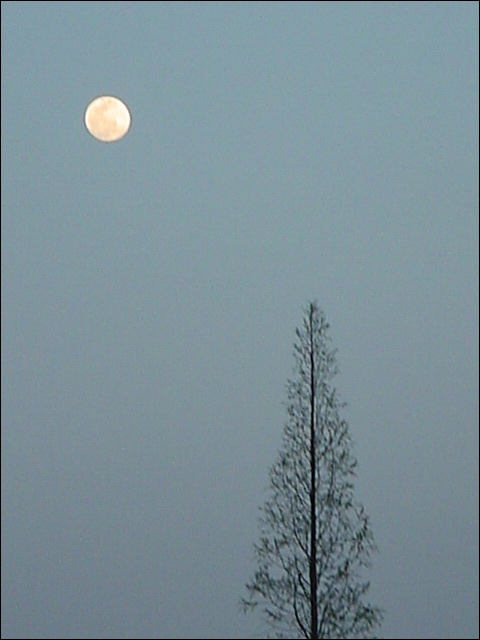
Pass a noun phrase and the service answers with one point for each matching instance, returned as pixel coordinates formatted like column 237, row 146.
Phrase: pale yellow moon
column 107, row 118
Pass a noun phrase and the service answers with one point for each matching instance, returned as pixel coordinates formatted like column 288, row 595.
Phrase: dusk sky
column 279, row 152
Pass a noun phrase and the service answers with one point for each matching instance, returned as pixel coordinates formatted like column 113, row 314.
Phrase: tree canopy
column 315, row 540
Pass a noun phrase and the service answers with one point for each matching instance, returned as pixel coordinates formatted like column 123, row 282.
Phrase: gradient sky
column 279, row 152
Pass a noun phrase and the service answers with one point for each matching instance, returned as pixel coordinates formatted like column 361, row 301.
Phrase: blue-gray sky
column 279, row 152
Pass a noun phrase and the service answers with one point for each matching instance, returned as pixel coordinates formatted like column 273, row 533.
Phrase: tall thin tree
column 315, row 540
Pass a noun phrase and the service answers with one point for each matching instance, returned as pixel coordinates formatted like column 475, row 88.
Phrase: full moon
column 107, row 118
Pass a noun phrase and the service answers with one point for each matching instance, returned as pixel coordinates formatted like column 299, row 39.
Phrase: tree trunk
column 313, row 510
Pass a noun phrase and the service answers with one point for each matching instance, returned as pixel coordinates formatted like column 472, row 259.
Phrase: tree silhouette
column 315, row 540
